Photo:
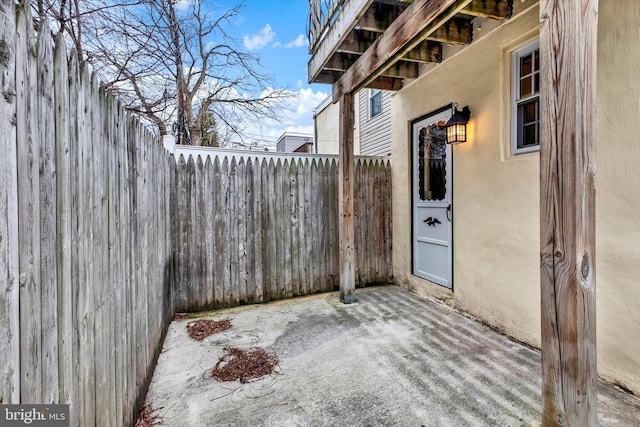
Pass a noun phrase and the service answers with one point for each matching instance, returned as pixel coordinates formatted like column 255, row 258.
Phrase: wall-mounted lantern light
column 457, row 125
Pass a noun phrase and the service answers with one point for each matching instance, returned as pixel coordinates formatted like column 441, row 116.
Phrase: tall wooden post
column 568, row 36
column 345, row 202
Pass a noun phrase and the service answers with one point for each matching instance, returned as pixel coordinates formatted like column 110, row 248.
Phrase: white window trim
column 371, row 93
column 515, row 89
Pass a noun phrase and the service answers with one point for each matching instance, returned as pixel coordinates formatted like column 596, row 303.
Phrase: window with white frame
column 375, row 102
column 525, row 99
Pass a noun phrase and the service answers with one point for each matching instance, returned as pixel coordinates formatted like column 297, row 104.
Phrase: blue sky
column 275, row 31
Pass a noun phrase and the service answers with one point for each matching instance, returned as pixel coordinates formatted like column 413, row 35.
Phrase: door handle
column 431, row 222
column 449, row 212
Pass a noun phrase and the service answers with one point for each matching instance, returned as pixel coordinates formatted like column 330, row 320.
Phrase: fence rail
column 254, row 229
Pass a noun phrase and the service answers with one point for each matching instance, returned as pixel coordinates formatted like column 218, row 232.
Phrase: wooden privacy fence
column 253, row 228
column 99, row 229
column 85, row 249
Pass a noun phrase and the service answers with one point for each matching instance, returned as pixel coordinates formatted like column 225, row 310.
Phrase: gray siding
column 290, row 143
column 375, row 132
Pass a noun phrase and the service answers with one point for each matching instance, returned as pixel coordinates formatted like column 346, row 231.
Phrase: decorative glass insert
column 432, row 162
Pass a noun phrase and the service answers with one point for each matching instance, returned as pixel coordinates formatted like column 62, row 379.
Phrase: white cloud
column 260, row 39
column 276, row 44
column 300, row 41
column 183, row 4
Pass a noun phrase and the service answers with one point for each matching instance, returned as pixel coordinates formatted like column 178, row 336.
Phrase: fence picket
column 208, row 293
column 9, row 261
column 241, row 243
column 258, row 230
column 28, row 206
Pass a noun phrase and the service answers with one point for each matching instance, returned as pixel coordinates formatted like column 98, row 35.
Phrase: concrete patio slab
column 392, row 359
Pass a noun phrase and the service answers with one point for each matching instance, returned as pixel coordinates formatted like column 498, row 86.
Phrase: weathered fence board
column 63, row 226
column 9, row 259
column 29, row 208
column 267, row 229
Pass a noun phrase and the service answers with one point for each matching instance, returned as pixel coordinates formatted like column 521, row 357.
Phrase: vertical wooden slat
column 375, row 221
column 115, row 263
column 99, row 258
column 196, row 261
column 309, row 226
column 128, row 190
column 184, row 228
column 303, row 167
column 335, row 252
column 279, row 259
column 29, row 217
column 220, row 239
column 225, row 276
column 208, row 235
column 322, row 225
column 294, row 236
column 270, row 225
column 387, row 199
column 63, row 227
column 76, row 408
column 112, row 254
column 85, row 236
column 358, row 218
column 241, row 185
column 133, row 267
column 144, row 294
column 568, row 41
column 250, row 248
column 346, row 215
column 234, row 280
column 47, row 184
column 258, row 231
column 284, row 184
column 9, row 246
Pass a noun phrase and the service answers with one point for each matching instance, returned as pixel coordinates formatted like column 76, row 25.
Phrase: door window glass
column 432, row 162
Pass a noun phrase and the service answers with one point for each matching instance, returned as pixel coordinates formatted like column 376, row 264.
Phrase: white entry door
column 432, row 200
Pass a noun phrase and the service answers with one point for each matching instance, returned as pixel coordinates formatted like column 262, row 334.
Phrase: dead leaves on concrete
column 236, row 364
column 244, row 365
column 202, row 328
column 146, row 417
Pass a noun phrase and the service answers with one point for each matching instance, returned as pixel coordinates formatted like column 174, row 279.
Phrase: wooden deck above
column 380, row 43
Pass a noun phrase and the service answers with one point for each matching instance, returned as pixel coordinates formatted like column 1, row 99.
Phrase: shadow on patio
column 392, row 359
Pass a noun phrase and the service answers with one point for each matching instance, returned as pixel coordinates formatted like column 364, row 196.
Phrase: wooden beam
column 426, row 51
column 358, row 41
column 455, row 31
column 346, row 178
column 419, row 20
column 568, row 39
column 328, row 76
column 379, row 16
column 329, row 42
column 402, row 69
column 341, row 61
column 385, row 83
column 493, row 9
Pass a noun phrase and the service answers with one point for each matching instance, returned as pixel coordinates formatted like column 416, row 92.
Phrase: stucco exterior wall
column 327, row 129
column 496, row 194
column 618, row 193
